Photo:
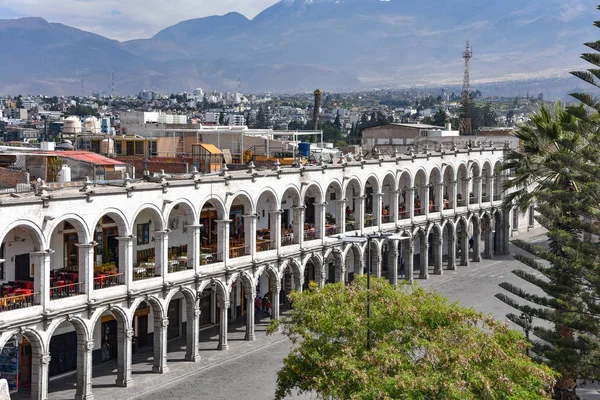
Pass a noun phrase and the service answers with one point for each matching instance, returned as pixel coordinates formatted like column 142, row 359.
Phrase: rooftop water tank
column 304, row 149
column 64, row 175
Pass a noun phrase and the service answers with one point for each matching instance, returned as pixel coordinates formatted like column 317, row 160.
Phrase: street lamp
column 363, row 239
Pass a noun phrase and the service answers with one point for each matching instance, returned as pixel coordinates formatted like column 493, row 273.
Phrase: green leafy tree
column 440, row 117
column 489, row 115
column 421, row 347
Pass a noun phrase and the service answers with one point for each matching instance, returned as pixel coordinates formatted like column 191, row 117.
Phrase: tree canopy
column 423, row 347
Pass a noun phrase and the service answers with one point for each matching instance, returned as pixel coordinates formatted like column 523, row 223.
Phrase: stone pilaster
column 250, row 235
column 424, row 258
column 194, row 244
column 39, row 376
column 453, row 195
column 250, row 296
column 437, row 256
column 41, row 282
column 410, row 206
column 159, row 364
column 452, row 252
column 320, row 211
column 394, row 205
column 84, row 370
column 124, row 336
column 393, row 255
column 340, row 217
column 126, row 259
column 477, row 185
column 359, row 213
column 477, row 243
column 439, row 197
column 275, row 290
column 276, row 230
column 192, row 332
column 464, row 252
column 223, row 240
column 223, row 345
column 161, row 253
column 298, row 225
column 377, row 208
column 409, row 260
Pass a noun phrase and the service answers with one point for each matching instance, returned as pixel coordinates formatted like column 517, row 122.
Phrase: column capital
column 223, row 221
column 250, row 216
column 88, row 345
column 126, row 238
column 160, row 234
column 129, row 333
column 363, row 197
column 164, row 322
column 197, row 312
column 45, row 359
column 194, row 226
column 299, row 208
column 276, row 212
column 225, row 304
column 477, row 178
column 323, row 204
column 377, row 194
column 43, row 253
column 341, row 200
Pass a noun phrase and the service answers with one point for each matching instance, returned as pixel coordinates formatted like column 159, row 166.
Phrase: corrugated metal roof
column 86, row 156
column 211, row 148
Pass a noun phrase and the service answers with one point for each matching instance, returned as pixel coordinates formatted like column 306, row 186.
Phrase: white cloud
column 129, row 19
column 570, row 10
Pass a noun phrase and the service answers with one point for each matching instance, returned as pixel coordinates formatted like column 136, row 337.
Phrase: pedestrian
column 264, row 302
column 268, row 307
column 257, row 305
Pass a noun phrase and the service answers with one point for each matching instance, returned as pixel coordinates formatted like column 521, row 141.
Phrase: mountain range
column 298, row 45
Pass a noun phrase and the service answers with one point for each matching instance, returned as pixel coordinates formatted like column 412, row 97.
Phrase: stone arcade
column 105, row 264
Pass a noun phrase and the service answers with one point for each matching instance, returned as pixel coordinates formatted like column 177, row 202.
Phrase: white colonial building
column 98, row 271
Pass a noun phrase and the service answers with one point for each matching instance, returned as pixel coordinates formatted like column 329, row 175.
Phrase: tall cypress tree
column 556, row 168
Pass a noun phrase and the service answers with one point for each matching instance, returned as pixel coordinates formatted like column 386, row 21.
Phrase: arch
column 217, row 203
column 32, row 335
column 80, row 225
column 154, row 302
column 155, row 214
column 498, row 168
column 317, row 274
column 79, row 325
column 293, row 193
column 334, row 255
column 449, row 173
column 436, row 173
column 374, row 182
column 119, row 314
column 405, row 180
column 243, row 197
column 34, row 231
column 336, row 185
column 215, row 284
column 475, row 168
column 117, row 216
column 186, row 205
column 188, row 293
column 354, row 182
column 313, row 188
column 271, row 194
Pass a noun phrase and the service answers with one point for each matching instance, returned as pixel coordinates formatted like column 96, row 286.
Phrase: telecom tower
column 464, row 125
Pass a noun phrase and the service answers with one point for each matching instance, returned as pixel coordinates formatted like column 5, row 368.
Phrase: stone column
column 394, row 205
column 250, row 235
column 359, row 213
column 192, row 332
column 223, row 327
column 276, row 230
column 223, row 240
column 250, row 296
column 84, row 370
column 41, row 282
column 340, row 218
column 161, row 253
column 393, row 255
column 409, row 260
column 39, row 376
column 425, row 200
column 194, row 244
column 410, row 206
column 298, row 225
column 491, row 189
column 424, row 258
column 488, row 237
column 275, row 290
column 453, row 195
column 439, row 197
column 159, row 364
column 320, row 210
column 86, row 267
column 452, row 252
column 377, row 209
column 464, row 252
column 124, row 336
column 126, row 259
column 477, row 242
column 437, row 256
column 477, row 185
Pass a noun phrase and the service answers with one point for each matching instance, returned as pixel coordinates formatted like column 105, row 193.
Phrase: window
column 139, row 148
column 515, row 218
column 118, row 147
column 96, row 146
column 154, row 148
column 531, row 216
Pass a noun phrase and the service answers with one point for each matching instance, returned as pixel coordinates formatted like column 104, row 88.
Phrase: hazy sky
column 126, row 19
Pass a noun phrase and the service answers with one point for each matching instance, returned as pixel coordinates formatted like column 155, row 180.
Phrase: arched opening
column 372, row 258
column 405, row 188
column 449, row 246
column 214, row 310
column 352, row 202
column 290, row 281
column 211, row 247
column 20, row 355
column 112, row 345
column 150, row 245
column 372, row 202
column 498, row 233
column 180, row 223
column 242, row 227
column 353, row 264
column 111, row 251
column 487, row 183
column 268, row 289
column 462, row 242
column 498, row 181
column 487, row 236
column 462, row 186
column 418, row 244
column 183, row 325
column 20, row 254
column 389, row 199
column 291, row 220
column 475, row 244
column 435, row 249
column 334, row 209
column 70, row 259
column 334, row 268
column 153, row 323
column 421, row 193
column 436, row 191
column 448, row 188
column 313, row 216
column 312, row 272
column 71, row 349
column 267, row 222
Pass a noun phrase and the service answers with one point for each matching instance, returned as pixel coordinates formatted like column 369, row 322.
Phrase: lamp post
column 363, row 239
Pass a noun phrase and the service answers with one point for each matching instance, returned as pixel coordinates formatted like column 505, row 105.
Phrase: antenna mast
column 464, row 125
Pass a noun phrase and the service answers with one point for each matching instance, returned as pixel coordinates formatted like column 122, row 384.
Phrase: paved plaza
column 249, row 369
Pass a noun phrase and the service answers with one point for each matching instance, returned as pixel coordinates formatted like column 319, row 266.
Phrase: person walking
column 268, row 307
